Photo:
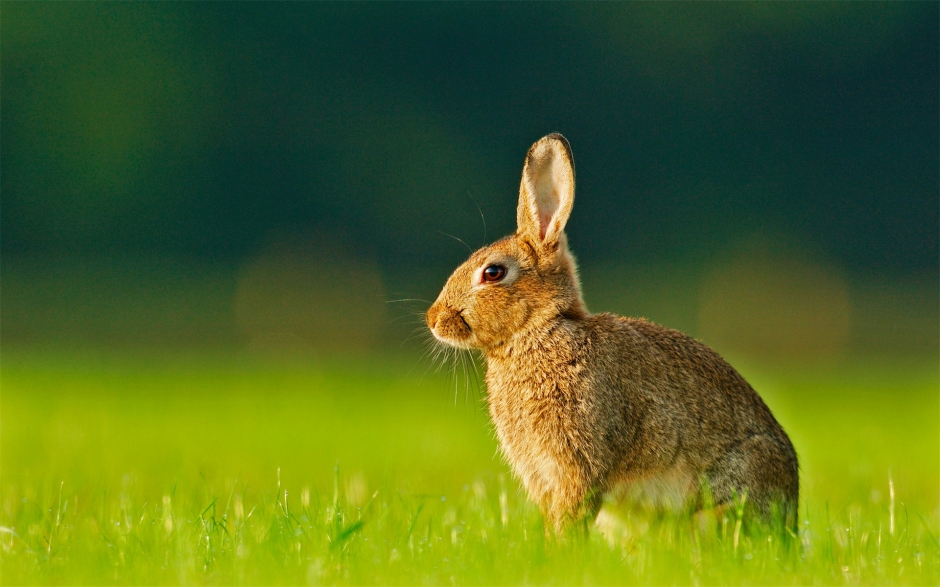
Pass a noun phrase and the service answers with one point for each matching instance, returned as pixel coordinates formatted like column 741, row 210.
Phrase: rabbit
column 589, row 408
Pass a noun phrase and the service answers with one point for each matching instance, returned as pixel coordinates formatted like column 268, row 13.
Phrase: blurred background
column 221, row 224
column 269, row 176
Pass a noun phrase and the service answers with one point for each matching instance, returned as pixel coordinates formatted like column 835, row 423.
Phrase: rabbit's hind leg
column 760, row 472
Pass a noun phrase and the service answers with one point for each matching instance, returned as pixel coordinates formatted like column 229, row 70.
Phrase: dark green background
column 207, row 131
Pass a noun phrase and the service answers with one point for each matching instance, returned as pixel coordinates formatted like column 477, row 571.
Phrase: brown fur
column 587, row 405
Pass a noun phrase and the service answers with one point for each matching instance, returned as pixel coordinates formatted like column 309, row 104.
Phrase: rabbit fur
column 594, row 406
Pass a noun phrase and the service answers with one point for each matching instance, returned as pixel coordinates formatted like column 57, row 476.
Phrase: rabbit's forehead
column 502, row 251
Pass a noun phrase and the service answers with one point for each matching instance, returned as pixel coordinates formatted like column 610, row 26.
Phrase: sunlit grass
column 163, row 468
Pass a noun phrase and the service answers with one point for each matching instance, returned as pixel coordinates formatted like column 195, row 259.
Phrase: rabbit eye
column 494, row 273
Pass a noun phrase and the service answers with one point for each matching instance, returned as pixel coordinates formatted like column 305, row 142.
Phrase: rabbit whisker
column 475, row 203
column 407, row 300
column 456, row 239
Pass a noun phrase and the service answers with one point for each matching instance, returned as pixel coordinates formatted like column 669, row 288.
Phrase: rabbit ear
column 547, row 191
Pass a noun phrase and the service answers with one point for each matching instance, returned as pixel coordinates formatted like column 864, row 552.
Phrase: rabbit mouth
column 464, row 322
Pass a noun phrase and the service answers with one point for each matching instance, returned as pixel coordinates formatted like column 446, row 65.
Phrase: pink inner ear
column 546, row 201
column 544, row 219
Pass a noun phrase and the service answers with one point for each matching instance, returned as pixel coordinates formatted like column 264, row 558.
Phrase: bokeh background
column 221, row 223
column 764, row 176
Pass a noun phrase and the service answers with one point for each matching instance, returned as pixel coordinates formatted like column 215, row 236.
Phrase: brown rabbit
column 592, row 405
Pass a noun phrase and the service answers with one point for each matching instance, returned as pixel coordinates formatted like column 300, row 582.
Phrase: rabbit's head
column 522, row 281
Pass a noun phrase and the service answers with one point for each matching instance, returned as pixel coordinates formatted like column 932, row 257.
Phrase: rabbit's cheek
column 494, row 317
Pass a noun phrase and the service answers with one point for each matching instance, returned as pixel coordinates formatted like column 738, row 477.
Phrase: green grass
column 175, row 468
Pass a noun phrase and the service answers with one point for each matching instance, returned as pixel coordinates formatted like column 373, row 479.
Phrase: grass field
column 147, row 467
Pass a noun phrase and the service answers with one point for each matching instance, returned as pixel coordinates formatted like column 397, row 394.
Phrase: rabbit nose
column 433, row 316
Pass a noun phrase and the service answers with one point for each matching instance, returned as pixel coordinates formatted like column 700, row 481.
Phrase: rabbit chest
column 549, row 425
